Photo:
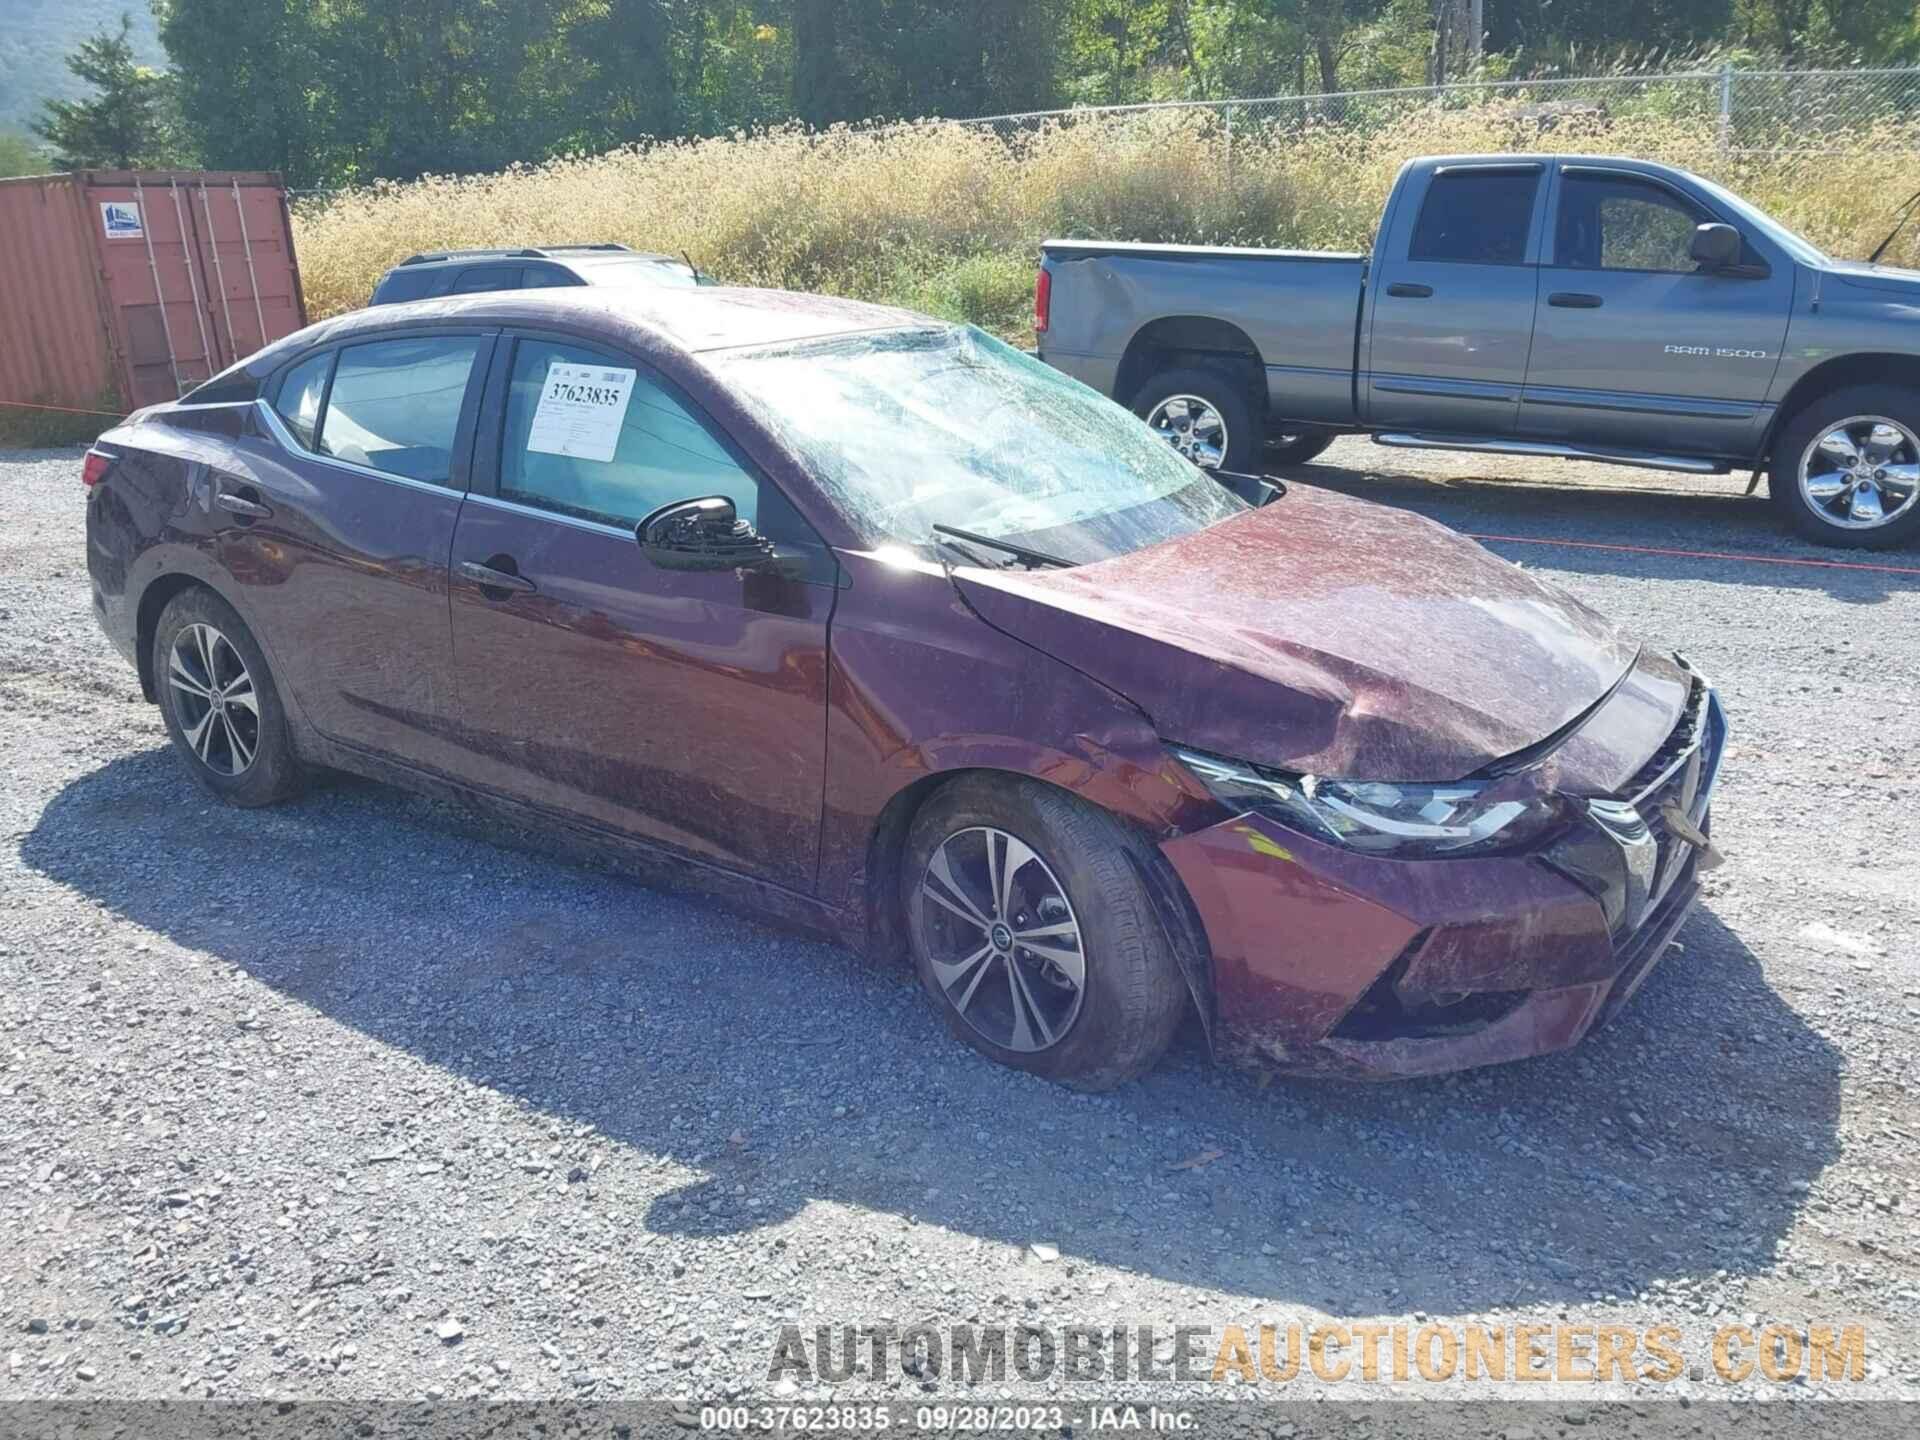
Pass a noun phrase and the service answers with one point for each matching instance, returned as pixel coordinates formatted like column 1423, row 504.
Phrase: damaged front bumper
column 1327, row 961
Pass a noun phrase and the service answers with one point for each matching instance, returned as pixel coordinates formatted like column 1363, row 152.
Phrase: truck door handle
column 488, row 578
column 1574, row 300
column 241, row 504
column 1407, row 290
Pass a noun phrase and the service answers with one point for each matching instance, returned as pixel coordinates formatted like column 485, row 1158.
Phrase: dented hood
column 1323, row 634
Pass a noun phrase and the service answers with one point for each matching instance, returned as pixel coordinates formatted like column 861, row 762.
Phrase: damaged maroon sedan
column 889, row 630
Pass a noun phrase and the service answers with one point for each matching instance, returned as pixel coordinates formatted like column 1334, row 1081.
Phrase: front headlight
column 1380, row 817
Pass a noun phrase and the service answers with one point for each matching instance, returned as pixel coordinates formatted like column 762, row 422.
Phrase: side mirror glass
column 1715, row 247
column 704, row 534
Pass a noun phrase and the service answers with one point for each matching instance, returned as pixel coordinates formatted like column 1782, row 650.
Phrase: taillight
column 94, row 470
column 1042, row 300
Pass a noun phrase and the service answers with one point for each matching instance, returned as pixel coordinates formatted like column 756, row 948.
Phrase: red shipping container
column 123, row 288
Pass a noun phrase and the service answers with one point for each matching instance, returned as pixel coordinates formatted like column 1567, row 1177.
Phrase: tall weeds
column 949, row 219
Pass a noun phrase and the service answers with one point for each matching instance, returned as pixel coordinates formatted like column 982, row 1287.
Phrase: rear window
column 301, row 391
column 404, row 284
column 1476, row 217
column 476, row 279
column 395, row 405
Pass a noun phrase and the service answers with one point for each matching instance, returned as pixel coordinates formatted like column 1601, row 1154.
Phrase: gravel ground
column 350, row 1099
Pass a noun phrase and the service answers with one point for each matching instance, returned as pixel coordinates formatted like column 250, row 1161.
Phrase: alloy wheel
column 1002, row 939
column 1861, row 473
column 1192, row 427
column 214, row 699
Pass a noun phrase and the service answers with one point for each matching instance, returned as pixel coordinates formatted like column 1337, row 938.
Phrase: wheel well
column 1837, row 374
column 1184, row 339
column 886, row 915
column 152, row 601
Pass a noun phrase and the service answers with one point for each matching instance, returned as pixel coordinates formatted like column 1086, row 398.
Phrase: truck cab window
column 1613, row 222
column 1476, row 217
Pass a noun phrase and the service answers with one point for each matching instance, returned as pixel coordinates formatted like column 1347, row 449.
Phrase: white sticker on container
column 580, row 412
column 121, row 220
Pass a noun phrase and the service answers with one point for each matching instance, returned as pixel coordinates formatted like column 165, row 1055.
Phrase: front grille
column 1684, row 738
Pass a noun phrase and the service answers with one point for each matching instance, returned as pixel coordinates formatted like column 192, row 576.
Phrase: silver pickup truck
column 1569, row 306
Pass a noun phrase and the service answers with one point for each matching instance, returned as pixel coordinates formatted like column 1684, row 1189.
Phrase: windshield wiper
column 1019, row 552
column 1898, row 225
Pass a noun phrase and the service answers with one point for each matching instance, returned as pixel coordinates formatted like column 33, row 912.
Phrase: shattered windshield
column 906, row 430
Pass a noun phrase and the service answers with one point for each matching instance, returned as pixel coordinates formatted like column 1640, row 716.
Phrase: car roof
column 506, row 254
column 688, row 318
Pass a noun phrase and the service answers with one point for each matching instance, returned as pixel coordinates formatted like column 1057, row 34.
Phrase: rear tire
column 1804, row 462
column 1206, row 415
column 1064, row 867
column 221, row 707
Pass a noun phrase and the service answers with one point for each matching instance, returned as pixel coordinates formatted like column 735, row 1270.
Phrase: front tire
column 1206, row 416
column 1034, row 934
column 221, row 707
column 1846, row 468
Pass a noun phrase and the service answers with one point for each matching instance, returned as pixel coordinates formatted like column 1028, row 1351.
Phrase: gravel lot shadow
column 1538, row 512
column 739, row 1077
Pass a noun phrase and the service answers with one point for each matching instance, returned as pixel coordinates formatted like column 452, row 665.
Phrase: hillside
column 35, row 38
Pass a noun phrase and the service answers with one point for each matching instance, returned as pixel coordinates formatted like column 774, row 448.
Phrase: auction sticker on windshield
column 580, row 412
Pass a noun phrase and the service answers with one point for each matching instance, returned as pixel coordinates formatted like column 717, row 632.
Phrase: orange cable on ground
column 64, row 409
column 1698, row 554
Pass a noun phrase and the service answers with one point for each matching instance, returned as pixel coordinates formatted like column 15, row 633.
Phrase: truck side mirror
column 1714, row 246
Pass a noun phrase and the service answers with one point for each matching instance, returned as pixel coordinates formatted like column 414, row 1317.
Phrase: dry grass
column 948, row 219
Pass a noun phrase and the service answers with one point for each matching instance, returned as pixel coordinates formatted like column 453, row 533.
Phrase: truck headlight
column 1398, row 818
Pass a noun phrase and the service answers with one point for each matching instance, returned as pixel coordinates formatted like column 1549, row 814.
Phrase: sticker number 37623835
column 580, row 412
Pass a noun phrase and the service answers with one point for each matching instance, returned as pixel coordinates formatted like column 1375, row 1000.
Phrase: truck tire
column 1067, row 971
column 1846, row 468
column 1296, row 447
column 1205, row 414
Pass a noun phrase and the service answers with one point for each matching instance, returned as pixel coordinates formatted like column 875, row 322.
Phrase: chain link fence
column 1772, row 111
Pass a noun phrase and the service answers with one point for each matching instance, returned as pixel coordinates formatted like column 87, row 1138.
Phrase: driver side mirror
column 1714, row 246
column 706, row 534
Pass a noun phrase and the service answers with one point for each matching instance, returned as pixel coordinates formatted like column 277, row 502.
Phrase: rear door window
column 302, row 389
column 1476, row 217
column 395, row 405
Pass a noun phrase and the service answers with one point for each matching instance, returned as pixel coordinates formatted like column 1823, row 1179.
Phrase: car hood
column 1328, row 635
column 1889, row 278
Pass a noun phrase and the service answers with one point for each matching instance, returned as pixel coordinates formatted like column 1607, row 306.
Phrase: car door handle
column 1407, row 290
column 240, row 505
column 488, row 578
column 1574, row 300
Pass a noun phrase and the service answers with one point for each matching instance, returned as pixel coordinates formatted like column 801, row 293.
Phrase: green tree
column 127, row 125
column 249, row 84
column 20, row 156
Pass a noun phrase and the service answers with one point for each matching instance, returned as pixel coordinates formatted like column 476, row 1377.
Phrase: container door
column 246, row 257
column 150, row 256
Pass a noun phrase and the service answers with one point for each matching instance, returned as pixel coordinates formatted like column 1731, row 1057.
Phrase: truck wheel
column 1206, row 416
column 1296, row 447
column 1034, row 934
column 1846, row 469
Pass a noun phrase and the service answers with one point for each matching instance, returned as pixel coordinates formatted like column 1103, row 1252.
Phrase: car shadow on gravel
column 1745, row 531
column 783, row 1072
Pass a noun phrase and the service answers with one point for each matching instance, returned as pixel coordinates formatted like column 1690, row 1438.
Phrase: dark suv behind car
column 468, row 272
